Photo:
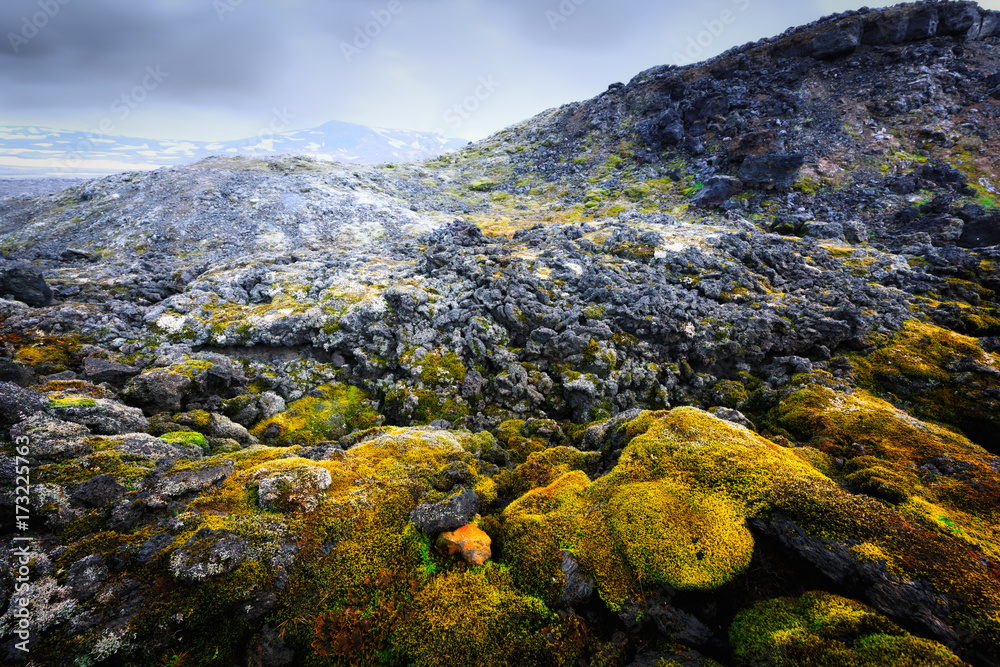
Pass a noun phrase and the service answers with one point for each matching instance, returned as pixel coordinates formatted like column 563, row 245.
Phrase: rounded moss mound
column 672, row 511
column 824, row 630
column 945, row 377
column 670, row 534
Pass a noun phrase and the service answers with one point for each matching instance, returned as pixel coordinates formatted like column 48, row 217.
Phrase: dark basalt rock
column 717, row 190
column 86, row 576
column 101, row 370
column 777, row 170
column 446, row 515
column 17, row 403
column 23, row 282
column 99, row 491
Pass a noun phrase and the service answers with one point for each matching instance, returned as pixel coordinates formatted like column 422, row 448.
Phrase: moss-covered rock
column 822, row 629
column 946, row 377
column 336, row 411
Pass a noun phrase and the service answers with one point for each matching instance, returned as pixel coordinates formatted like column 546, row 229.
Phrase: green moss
column 435, row 368
column 184, row 438
column 50, row 354
column 914, row 366
column 191, row 368
column 475, row 617
column 672, row 511
column 826, row 630
column 340, row 410
column 74, row 402
column 484, row 185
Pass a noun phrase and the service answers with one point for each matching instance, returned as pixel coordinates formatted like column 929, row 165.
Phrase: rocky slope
column 702, row 371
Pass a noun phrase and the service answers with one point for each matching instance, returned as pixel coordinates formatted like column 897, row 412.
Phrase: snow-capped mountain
column 40, row 151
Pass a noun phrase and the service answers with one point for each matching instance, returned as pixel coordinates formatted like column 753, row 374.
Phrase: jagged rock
column 734, row 416
column 153, row 547
column 840, row 42
column 678, row 624
column 717, row 190
column 295, row 489
column 23, row 282
column 577, row 587
column 446, row 515
column 19, row 374
column 98, row 491
column 158, row 390
column 155, row 449
column 192, row 480
column 17, row 403
column 51, row 438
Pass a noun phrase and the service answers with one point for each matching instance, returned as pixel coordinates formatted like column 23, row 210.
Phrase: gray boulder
column 446, row 515
column 101, row 416
column 17, row 403
column 717, row 190
column 23, row 282
column 209, row 553
column 99, row 370
column 52, row 438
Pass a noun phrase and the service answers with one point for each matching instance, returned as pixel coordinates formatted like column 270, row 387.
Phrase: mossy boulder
column 197, row 378
column 333, row 412
column 827, row 630
column 673, row 511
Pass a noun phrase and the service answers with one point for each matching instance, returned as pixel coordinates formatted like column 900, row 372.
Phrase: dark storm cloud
column 99, row 48
column 233, row 64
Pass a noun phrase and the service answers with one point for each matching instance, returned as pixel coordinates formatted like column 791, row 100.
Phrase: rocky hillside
column 703, row 371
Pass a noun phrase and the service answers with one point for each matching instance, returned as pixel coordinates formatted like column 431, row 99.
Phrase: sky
column 212, row 70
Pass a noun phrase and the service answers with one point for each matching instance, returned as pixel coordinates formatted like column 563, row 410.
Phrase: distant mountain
column 40, row 151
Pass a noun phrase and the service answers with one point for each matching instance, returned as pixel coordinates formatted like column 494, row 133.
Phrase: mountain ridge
column 31, row 150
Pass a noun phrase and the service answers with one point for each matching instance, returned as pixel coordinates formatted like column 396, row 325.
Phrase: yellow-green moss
column 73, row 402
column 825, row 630
column 341, row 410
column 50, row 354
column 672, row 511
column 184, row 438
column 435, row 368
column 475, row 617
column 914, row 367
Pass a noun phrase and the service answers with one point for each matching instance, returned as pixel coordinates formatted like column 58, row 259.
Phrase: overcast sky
column 227, row 69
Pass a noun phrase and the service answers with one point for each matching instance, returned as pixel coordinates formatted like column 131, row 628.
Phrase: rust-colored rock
column 472, row 543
